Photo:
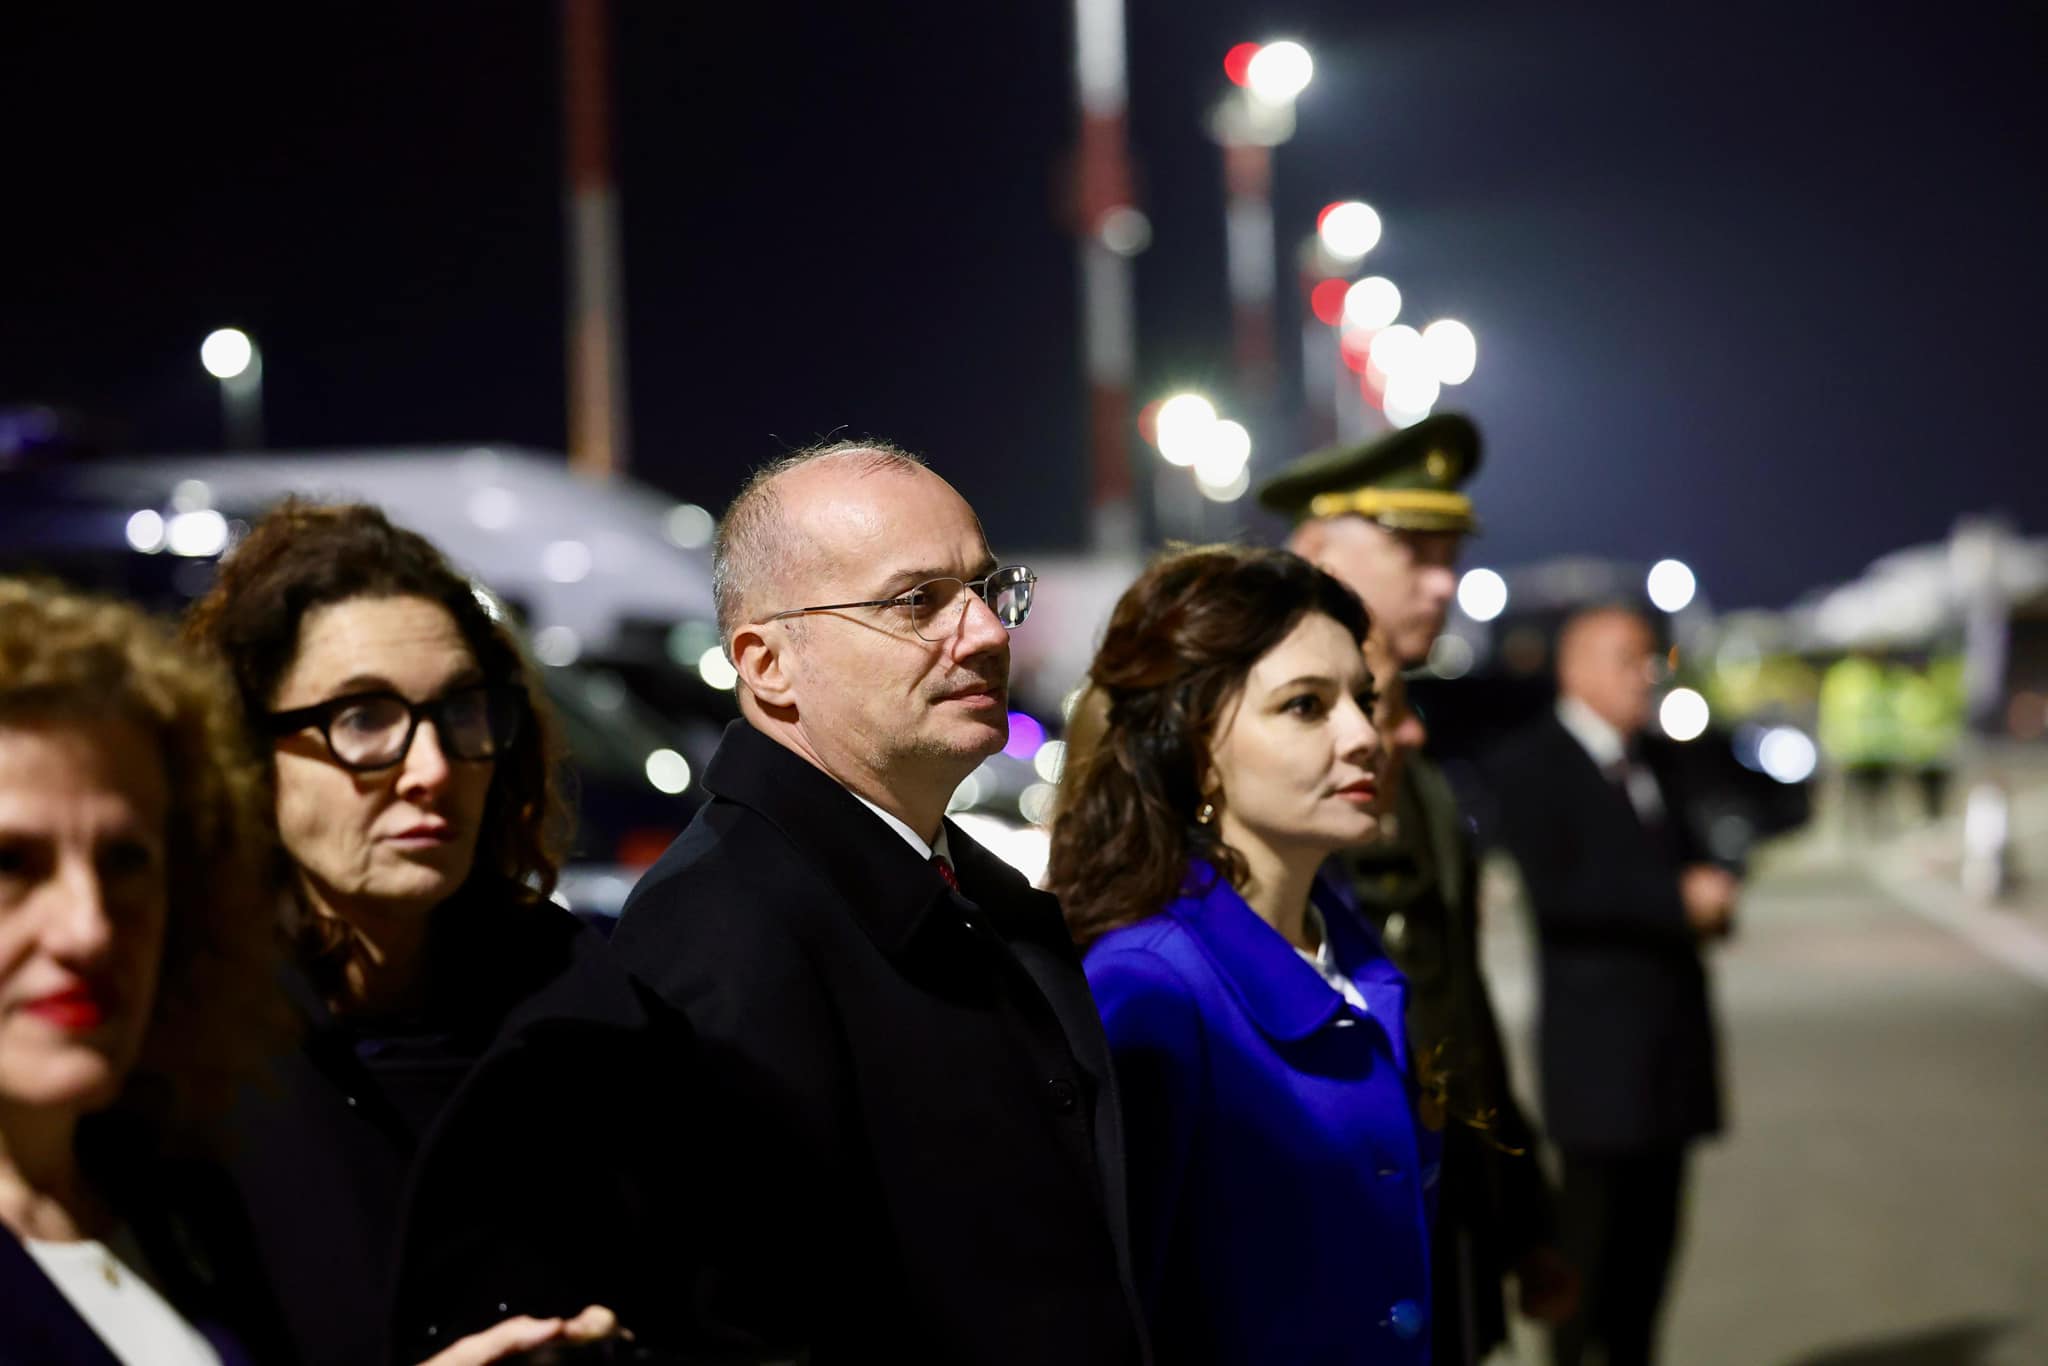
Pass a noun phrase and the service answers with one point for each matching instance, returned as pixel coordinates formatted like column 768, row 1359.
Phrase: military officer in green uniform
column 1388, row 518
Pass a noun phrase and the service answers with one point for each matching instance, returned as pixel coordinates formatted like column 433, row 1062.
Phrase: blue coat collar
column 1285, row 997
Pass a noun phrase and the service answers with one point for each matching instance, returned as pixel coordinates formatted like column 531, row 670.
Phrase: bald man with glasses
column 912, row 1131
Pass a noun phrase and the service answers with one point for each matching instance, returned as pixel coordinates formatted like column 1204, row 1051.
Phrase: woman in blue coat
column 1281, row 1183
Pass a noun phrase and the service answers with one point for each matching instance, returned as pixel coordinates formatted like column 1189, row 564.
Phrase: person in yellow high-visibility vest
column 1927, row 711
column 1859, row 737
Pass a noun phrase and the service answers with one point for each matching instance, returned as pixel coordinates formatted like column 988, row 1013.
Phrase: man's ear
column 759, row 655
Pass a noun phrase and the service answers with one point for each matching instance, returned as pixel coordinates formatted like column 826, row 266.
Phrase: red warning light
column 1148, row 421
column 1327, row 210
column 1326, row 301
column 1351, row 349
column 1237, row 62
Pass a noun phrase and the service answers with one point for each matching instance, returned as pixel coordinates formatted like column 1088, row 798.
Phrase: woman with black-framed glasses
column 411, row 762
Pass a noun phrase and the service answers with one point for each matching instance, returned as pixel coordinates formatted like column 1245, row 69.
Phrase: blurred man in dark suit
column 1623, row 895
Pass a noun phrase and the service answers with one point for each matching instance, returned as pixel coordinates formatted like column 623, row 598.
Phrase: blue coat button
column 1405, row 1318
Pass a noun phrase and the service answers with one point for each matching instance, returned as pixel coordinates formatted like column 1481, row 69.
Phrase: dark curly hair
column 66, row 658
column 303, row 555
column 1174, row 656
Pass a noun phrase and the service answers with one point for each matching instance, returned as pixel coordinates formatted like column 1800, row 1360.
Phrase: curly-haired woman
column 1280, row 1178
column 134, row 965
column 409, row 760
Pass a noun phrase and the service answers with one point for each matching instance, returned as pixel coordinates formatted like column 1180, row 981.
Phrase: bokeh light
column 1482, row 594
column 716, row 670
column 1326, row 301
column 1671, row 585
column 557, row 646
column 1372, row 303
column 1348, row 230
column 687, row 526
column 226, row 353
column 1683, row 714
column 1228, row 451
column 1125, row 230
column 1787, row 754
column 1186, row 425
column 1278, row 72
column 1452, row 350
column 668, row 771
column 1227, row 493
column 1413, row 390
column 146, row 531
column 1237, row 62
column 1397, row 351
column 1450, row 657
column 197, row 534
column 1026, row 735
column 1035, row 802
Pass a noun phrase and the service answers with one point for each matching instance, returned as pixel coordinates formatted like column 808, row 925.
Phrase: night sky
column 1759, row 285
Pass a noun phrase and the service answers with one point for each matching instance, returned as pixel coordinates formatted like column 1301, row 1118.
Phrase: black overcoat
column 557, row 1175
column 915, row 1147
column 1626, row 1042
column 323, row 1146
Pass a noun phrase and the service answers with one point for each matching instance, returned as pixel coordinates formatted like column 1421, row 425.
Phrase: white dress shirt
column 1325, row 962
column 1609, row 751
column 927, row 852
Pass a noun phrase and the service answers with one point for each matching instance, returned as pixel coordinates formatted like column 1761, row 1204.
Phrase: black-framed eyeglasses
column 937, row 606
column 366, row 731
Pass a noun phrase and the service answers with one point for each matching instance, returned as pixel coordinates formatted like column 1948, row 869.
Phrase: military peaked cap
column 1407, row 480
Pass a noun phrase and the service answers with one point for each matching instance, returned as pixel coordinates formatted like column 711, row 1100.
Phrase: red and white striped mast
column 1111, row 231
column 598, row 417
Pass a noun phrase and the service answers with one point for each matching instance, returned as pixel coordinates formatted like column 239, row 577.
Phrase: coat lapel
column 889, row 889
column 1285, row 998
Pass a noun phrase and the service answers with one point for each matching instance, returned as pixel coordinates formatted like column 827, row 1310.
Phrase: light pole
column 1111, row 230
column 1248, row 124
column 599, row 419
column 231, row 357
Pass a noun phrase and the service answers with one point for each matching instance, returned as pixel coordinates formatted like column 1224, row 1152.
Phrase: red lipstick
column 77, row 1010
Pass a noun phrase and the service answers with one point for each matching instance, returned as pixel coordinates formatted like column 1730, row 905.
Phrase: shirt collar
column 1603, row 742
column 927, row 852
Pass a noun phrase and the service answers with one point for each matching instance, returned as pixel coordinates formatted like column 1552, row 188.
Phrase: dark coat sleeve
column 726, row 955
column 552, row 1184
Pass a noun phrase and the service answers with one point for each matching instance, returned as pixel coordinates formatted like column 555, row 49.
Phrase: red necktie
column 946, row 871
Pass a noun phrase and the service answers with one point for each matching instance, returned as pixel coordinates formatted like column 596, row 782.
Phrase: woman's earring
column 1206, row 813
